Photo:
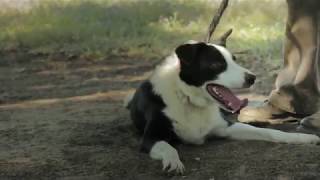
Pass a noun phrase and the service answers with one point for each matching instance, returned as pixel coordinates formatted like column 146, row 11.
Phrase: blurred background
column 144, row 28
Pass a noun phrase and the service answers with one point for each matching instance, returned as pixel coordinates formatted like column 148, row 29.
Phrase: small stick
column 216, row 19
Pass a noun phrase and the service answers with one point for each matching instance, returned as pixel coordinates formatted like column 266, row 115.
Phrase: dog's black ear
column 187, row 53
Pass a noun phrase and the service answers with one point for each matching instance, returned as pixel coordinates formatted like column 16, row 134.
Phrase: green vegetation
column 140, row 28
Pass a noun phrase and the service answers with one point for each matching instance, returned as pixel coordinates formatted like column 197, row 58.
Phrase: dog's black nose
column 249, row 78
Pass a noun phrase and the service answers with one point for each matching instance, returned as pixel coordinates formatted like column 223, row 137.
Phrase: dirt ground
column 62, row 118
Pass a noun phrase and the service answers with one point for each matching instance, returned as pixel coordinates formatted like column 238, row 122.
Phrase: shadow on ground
column 63, row 118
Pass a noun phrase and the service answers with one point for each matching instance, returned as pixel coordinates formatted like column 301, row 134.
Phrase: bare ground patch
column 62, row 118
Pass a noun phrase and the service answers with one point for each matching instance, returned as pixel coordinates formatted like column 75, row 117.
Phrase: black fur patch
column 200, row 63
column 146, row 112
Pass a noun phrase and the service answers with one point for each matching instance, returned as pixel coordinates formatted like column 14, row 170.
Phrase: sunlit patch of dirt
column 66, row 121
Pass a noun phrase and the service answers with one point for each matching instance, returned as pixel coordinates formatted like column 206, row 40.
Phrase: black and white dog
column 181, row 101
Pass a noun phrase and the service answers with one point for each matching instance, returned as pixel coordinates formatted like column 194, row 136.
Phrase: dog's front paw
column 171, row 164
column 309, row 138
column 169, row 156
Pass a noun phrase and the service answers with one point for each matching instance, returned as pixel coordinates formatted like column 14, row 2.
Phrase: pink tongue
column 232, row 102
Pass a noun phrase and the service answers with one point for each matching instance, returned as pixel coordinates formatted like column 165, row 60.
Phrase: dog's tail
column 127, row 100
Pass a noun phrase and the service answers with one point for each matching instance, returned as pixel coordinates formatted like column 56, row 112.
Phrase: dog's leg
column 247, row 132
column 157, row 135
column 163, row 151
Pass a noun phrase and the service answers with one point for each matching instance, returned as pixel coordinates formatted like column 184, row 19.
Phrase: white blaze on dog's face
column 212, row 68
column 235, row 76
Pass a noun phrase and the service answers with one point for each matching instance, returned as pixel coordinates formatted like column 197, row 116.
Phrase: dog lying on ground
column 182, row 99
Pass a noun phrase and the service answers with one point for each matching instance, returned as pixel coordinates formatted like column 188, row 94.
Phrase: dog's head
column 212, row 68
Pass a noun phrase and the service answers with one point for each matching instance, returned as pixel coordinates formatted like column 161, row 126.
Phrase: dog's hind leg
column 242, row 131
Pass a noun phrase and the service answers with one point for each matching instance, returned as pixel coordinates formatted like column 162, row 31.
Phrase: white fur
column 234, row 76
column 242, row 131
column 195, row 115
column 168, row 155
column 127, row 99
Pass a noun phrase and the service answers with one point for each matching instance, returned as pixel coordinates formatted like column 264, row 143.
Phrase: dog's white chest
column 194, row 124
